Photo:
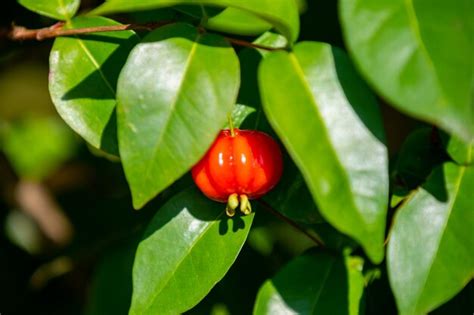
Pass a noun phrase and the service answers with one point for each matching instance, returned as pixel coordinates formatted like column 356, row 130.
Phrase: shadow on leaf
column 321, row 289
column 196, row 205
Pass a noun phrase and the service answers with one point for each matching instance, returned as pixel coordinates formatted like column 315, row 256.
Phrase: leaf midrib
column 320, row 291
column 415, row 28
column 443, row 229
column 173, row 107
column 186, row 254
column 301, row 75
column 96, row 65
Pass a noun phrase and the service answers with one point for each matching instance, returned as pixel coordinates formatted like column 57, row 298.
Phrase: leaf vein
column 172, row 110
column 186, row 254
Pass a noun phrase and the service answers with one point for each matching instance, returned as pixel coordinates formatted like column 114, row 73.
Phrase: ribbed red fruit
column 246, row 163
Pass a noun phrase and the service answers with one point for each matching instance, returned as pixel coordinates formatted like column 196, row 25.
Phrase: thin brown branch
column 316, row 239
column 21, row 33
column 244, row 43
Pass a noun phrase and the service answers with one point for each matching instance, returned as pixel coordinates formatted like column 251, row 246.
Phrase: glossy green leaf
column 328, row 285
column 56, row 9
column 282, row 14
column 36, row 147
column 236, row 21
column 83, row 76
column 431, row 248
column 460, row 304
column 189, row 246
column 330, row 124
column 228, row 20
column 174, row 94
column 271, row 39
column 418, row 54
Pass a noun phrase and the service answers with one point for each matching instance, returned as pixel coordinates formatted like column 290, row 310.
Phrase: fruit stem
column 231, row 125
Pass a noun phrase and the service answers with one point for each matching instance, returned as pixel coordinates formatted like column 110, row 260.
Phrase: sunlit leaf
column 282, row 14
column 328, row 285
column 330, row 124
column 189, row 246
column 431, row 248
column 417, row 54
column 174, row 94
column 56, row 9
column 83, row 76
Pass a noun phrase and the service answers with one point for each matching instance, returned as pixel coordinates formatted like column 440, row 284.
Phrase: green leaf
column 463, row 303
column 418, row 54
column 83, row 75
column 460, row 151
column 36, row 147
column 291, row 196
column 235, row 21
column 239, row 115
column 330, row 124
column 282, row 14
column 431, row 249
column 270, row 39
column 174, row 94
column 328, row 285
column 189, row 246
column 56, row 9
column 228, row 20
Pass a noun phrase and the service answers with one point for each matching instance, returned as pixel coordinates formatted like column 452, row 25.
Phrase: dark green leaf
column 330, row 124
column 315, row 283
column 189, row 246
column 418, row 54
column 291, row 196
column 417, row 157
column 419, row 154
column 83, row 75
column 56, row 9
column 282, row 14
column 174, row 94
column 36, row 147
column 431, row 248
